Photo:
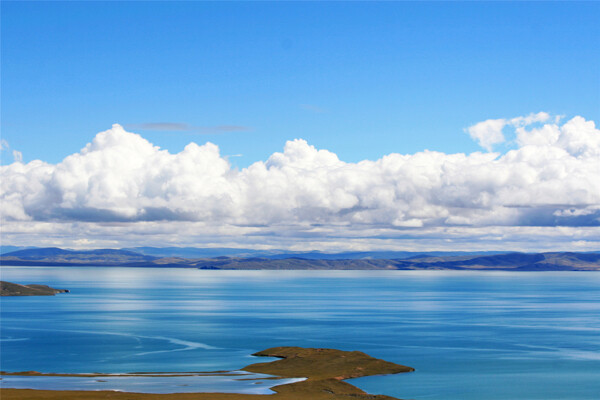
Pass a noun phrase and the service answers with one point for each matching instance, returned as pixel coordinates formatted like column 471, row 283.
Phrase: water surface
column 242, row 383
column 470, row 335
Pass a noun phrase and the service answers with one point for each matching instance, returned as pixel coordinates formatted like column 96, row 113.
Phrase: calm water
column 244, row 383
column 469, row 335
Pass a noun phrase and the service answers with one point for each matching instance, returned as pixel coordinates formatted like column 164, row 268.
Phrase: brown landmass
column 14, row 289
column 325, row 370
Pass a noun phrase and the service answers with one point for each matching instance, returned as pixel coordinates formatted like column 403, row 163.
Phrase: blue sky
column 504, row 95
column 359, row 79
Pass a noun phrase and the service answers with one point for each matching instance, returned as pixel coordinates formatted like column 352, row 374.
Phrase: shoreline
column 324, row 371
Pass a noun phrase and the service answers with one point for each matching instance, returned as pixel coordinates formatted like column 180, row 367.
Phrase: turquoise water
column 492, row 335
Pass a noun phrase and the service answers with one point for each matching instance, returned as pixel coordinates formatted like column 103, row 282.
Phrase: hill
column 56, row 256
column 211, row 252
column 551, row 261
column 14, row 289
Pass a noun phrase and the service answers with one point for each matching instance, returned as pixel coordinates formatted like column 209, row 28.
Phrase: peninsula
column 324, row 370
column 14, row 289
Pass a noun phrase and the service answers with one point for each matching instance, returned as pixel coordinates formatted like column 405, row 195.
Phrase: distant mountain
column 10, row 249
column 196, row 252
column 55, row 251
column 56, row 256
column 210, row 252
column 365, row 255
column 556, row 261
column 275, row 254
column 553, row 261
column 510, row 262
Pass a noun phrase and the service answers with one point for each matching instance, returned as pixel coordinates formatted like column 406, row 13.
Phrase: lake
column 470, row 335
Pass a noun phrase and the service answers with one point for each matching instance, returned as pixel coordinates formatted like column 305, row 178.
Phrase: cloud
column 183, row 127
column 121, row 185
column 17, row 155
column 488, row 133
column 530, row 119
column 340, row 238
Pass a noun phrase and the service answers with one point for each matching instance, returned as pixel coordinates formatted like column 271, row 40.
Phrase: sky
column 305, row 125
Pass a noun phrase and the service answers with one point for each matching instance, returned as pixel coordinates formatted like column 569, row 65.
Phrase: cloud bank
column 120, row 182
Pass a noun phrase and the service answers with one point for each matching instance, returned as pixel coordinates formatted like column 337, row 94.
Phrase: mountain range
column 243, row 259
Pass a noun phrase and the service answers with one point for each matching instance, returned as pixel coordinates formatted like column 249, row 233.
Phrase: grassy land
column 14, row 289
column 325, row 370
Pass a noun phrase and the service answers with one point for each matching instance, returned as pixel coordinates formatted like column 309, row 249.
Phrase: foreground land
column 551, row 261
column 325, row 370
column 14, row 289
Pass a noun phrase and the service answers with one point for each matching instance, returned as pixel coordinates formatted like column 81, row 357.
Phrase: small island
column 14, row 289
column 324, row 370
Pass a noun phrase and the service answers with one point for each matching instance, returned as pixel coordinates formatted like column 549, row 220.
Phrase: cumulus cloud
column 488, row 133
column 122, row 182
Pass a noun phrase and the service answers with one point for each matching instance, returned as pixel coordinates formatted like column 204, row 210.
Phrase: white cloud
column 120, row 187
column 331, row 238
column 17, row 155
column 488, row 133
column 530, row 119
